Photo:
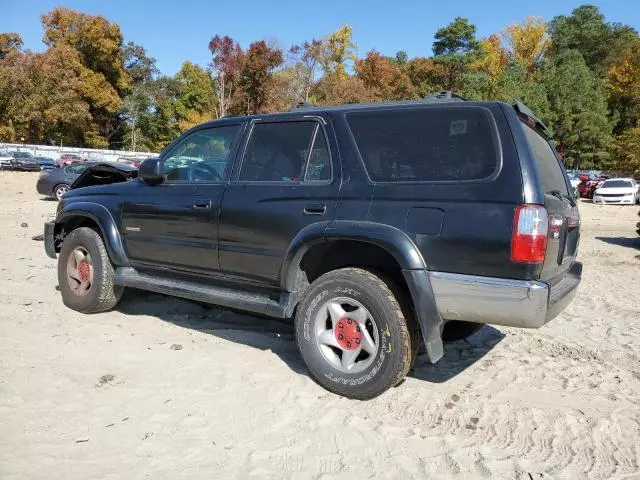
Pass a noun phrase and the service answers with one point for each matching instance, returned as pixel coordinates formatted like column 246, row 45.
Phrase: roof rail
column 444, row 96
column 302, row 106
column 525, row 111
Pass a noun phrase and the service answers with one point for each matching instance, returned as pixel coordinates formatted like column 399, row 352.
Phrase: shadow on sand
column 278, row 336
column 629, row 242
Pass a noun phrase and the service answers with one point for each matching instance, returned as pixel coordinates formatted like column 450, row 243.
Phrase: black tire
column 391, row 316
column 102, row 294
column 459, row 330
column 58, row 191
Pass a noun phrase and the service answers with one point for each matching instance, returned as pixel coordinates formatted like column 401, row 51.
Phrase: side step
column 225, row 297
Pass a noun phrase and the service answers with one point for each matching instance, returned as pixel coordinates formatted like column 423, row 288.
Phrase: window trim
column 230, row 159
column 243, row 150
column 492, row 125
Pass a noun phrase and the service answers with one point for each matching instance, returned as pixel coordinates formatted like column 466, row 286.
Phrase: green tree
column 625, row 151
column 578, row 102
column 140, row 66
column 456, row 47
column 601, row 44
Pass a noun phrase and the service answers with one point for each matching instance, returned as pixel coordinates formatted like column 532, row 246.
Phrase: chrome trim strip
column 515, row 303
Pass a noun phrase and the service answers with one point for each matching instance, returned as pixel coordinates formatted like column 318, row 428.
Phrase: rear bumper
column 49, row 241
column 44, row 189
column 497, row 301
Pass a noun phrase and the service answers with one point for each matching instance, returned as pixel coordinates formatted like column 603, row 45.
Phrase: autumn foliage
column 578, row 72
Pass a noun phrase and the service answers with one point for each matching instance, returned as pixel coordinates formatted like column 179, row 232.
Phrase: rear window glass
column 551, row 175
column 426, row 145
column 617, row 184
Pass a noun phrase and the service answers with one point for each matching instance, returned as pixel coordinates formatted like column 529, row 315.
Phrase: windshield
column 617, row 184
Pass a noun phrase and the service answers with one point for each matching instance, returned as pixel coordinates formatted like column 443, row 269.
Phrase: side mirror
column 150, row 171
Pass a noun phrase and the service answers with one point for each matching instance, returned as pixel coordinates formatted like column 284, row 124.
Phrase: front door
column 286, row 181
column 175, row 224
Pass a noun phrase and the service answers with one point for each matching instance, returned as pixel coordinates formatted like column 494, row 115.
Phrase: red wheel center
column 348, row 334
column 83, row 270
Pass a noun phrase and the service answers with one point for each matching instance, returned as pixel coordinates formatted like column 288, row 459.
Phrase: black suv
column 376, row 227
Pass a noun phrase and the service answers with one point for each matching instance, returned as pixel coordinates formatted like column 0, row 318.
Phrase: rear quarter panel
column 461, row 227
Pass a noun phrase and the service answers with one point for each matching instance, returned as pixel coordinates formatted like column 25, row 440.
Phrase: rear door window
column 551, row 175
column 281, row 151
column 426, row 144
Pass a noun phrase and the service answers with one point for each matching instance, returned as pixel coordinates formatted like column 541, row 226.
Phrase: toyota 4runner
column 375, row 227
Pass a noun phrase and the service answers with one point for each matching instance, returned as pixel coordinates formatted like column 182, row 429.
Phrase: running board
column 225, row 297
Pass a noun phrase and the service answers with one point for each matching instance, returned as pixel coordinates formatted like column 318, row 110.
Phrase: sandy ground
column 165, row 388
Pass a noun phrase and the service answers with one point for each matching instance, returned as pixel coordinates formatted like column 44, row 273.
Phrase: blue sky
column 174, row 31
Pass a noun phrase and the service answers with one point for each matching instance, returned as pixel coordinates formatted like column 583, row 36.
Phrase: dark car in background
column 46, row 163
column 55, row 183
column 24, row 161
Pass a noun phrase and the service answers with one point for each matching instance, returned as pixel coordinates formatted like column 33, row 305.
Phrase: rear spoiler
column 526, row 112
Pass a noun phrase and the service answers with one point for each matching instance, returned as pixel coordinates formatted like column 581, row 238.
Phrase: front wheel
column 356, row 333
column 60, row 190
column 85, row 273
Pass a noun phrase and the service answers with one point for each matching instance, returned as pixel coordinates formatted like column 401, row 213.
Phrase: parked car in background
column 5, row 161
column 588, row 185
column 46, row 163
column 55, row 183
column 24, row 162
column 69, row 158
column 134, row 162
column 617, row 190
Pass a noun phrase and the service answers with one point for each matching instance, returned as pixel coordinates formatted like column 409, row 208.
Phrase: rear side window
column 549, row 168
column 288, row 152
column 426, row 145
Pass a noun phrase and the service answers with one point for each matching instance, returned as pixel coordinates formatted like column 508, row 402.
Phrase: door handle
column 315, row 209
column 202, row 205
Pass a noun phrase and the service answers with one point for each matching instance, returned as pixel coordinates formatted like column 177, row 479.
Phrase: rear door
column 564, row 219
column 286, row 181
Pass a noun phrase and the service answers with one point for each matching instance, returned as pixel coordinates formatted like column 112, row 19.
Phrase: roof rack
column 525, row 111
column 302, row 106
column 444, row 96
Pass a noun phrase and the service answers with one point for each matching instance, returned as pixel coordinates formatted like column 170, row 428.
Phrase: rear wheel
column 60, row 190
column 356, row 333
column 458, row 330
column 85, row 273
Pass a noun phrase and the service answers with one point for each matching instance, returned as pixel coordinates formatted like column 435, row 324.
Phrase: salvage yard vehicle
column 55, row 183
column 617, row 191
column 375, row 227
column 5, row 161
column 24, row 162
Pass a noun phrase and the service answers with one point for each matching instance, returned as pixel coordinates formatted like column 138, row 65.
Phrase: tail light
column 529, row 238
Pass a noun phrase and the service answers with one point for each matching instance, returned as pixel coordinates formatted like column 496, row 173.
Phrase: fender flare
column 103, row 218
column 394, row 241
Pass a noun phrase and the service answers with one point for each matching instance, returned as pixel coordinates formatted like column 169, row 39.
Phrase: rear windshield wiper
column 558, row 194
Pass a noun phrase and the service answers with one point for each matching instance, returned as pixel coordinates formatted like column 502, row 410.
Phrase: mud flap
column 427, row 314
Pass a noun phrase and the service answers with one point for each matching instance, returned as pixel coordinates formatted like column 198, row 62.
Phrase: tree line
column 579, row 73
